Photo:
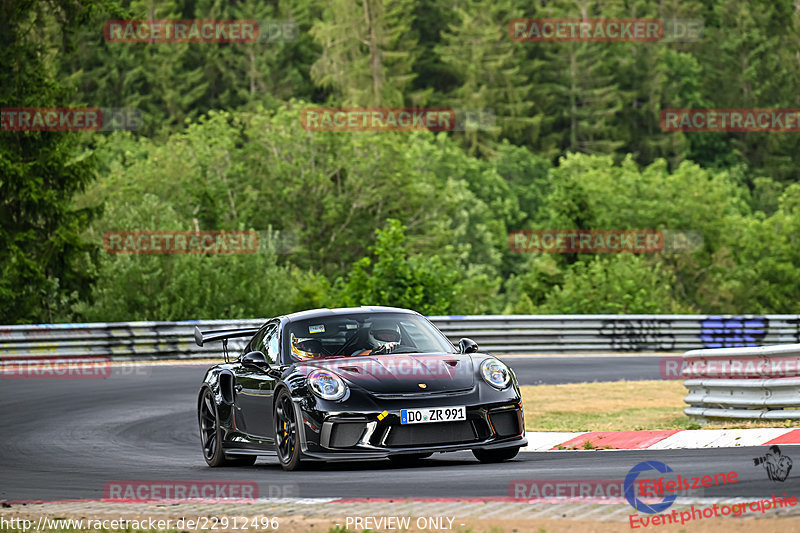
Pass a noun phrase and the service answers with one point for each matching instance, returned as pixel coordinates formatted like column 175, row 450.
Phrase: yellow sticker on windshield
column 317, row 329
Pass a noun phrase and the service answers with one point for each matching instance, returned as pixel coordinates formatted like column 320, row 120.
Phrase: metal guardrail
column 618, row 333
column 739, row 382
column 747, row 383
column 493, row 333
column 123, row 340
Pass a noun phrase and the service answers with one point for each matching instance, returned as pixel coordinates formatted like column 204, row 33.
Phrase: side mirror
column 466, row 345
column 256, row 360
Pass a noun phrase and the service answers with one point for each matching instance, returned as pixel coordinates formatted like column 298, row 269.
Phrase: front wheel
column 287, row 440
column 495, row 456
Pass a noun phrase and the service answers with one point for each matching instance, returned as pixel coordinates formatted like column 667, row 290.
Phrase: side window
column 255, row 342
column 414, row 337
column 269, row 344
column 273, row 346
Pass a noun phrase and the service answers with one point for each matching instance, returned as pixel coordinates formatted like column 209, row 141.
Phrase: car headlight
column 327, row 385
column 495, row 373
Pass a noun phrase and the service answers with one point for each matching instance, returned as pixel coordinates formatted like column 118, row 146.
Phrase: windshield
column 363, row 334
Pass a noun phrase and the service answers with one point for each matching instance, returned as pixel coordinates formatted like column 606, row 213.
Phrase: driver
column 306, row 348
column 383, row 337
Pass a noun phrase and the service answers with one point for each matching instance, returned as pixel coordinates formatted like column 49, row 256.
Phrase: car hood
column 404, row 373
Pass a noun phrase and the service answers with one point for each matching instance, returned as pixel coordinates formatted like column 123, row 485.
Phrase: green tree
column 755, row 264
column 367, row 51
column 748, row 59
column 398, row 279
column 576, row 85
column 323, row 191
column 487, row 64
column 187, row 286
column 171, row 82
column 621, row 284
column 43, row 260
column 593, row 192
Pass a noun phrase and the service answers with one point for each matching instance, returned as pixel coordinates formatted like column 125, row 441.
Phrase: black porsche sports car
column 355, row 383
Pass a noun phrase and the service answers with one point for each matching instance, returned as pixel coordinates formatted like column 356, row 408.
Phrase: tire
column 211, row 435
column 408, row 459
column 287, row 441
column 495, row 456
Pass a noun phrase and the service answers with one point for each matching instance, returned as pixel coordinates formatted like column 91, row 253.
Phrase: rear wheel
column 211, row 435
column 495, row 456
column 408, row 459
column 287, row 440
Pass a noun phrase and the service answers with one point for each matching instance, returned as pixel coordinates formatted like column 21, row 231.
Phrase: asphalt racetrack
column 67, row 438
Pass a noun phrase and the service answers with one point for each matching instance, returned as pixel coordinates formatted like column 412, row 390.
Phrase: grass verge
column 618, row 406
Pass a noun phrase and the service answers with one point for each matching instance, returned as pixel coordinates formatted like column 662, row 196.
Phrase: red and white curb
column 660, row 439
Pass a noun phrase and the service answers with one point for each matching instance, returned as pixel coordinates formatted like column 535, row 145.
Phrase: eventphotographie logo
column 666, row 487
column 631, row 493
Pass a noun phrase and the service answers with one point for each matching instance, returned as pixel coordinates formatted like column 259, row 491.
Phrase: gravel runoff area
column 322, row 515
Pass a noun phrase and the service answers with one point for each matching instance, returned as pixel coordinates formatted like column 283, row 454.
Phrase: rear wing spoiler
column 201, row 337
column 223, row 335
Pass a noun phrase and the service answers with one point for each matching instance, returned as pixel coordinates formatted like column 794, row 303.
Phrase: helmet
column 383, row 331
column 306, row 348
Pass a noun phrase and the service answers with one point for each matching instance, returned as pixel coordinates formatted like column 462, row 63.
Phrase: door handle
column 238, row 387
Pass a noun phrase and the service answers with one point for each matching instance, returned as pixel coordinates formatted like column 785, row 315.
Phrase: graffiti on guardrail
column 796, row 323
column 732, row 332
column 639, row 335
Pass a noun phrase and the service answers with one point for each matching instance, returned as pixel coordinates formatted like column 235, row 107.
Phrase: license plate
column 435, row 414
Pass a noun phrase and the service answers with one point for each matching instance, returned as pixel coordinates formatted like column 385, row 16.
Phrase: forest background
column 411, row 219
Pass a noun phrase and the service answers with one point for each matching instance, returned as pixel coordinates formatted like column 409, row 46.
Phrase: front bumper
column 379, row 434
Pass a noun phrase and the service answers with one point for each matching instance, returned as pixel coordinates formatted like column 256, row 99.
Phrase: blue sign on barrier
column 731, row 332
